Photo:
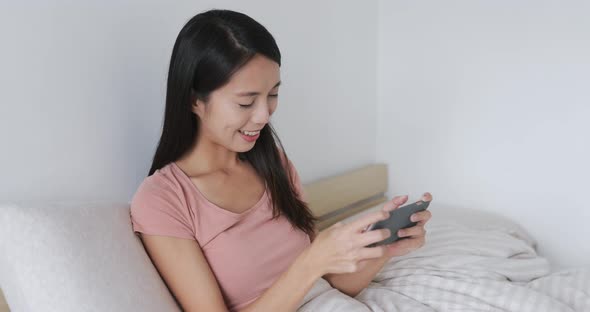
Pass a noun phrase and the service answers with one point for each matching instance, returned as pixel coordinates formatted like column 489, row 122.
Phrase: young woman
column 221, row 213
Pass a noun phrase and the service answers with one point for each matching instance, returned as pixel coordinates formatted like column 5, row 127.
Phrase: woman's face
column 242, row 106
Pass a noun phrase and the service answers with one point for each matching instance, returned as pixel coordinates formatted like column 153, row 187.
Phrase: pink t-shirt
column 247, row 252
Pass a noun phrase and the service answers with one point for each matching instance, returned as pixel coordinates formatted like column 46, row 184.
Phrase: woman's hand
column 416, row 235
column 340, row 248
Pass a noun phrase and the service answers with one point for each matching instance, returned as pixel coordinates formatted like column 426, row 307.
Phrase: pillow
column 76, row 256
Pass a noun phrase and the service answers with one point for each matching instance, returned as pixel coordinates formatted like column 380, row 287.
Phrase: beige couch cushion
column 76, row 256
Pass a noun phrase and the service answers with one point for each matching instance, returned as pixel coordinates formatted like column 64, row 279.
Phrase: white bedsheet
column 477, row 262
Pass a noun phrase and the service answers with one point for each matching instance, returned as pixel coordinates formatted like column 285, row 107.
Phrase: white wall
column 483, row 103
column 82, row 89
column 486, row 104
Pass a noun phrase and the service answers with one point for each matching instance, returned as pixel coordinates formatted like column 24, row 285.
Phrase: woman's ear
column 198, row 108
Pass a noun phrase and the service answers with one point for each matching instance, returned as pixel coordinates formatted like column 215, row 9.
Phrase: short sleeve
column 156, row 209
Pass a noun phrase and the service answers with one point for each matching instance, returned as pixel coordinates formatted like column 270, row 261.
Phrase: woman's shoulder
column 161, row 182
column 161, row 190
column 158, row 207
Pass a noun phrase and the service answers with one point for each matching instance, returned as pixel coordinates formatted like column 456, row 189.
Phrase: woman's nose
column 262, row 114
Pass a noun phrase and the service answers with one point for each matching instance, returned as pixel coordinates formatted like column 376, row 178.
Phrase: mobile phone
column 398, row 219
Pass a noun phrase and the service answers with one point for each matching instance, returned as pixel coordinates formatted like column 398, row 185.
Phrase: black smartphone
column 398, row 219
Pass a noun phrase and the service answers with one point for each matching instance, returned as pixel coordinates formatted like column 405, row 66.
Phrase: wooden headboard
column 3, row 304
column 334, row 198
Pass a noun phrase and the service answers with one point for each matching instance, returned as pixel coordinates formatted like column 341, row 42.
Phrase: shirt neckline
column 222, row 210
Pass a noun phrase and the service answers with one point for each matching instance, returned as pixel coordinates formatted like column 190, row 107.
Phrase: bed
column 472, row 260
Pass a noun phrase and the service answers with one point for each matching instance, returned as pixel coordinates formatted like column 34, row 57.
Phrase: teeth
column 248, row 133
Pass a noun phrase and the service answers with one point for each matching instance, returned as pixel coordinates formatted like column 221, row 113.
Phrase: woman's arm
column 353, row 283
column 287, row 292
column 184, row 268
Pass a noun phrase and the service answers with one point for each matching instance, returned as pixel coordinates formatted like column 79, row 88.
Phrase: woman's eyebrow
column 251, row 93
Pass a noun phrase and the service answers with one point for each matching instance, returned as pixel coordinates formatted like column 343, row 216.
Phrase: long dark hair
column 208, row 50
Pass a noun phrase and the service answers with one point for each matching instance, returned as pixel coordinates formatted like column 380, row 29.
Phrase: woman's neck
column 207, row 157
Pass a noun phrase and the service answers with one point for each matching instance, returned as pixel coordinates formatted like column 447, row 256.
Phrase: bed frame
column 334, row 198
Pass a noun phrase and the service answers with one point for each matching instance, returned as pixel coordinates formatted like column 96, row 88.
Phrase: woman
column 221, row 213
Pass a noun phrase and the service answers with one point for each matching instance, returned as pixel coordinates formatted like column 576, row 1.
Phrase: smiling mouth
column 249, row 133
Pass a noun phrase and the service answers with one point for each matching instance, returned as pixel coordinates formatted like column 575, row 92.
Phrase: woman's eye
column 248, row 105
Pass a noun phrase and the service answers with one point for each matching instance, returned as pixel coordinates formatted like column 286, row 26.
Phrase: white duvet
column 480, row 263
